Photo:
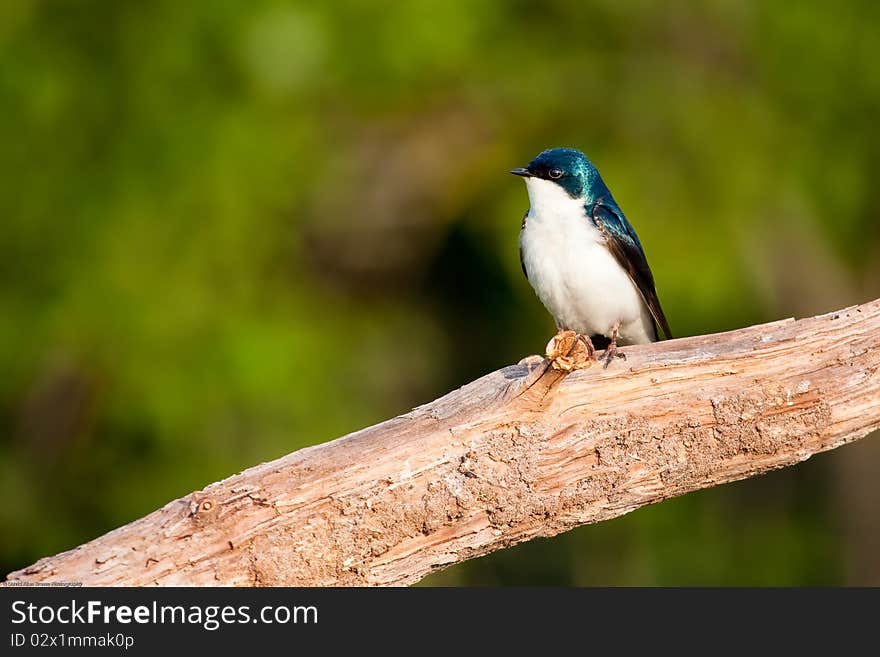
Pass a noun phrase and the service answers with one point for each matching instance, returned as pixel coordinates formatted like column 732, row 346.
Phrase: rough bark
column 519, row 453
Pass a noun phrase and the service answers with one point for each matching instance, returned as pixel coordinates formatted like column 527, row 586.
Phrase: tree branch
column 516, row 454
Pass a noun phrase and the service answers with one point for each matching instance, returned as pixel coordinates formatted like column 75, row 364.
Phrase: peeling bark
column 523, row 452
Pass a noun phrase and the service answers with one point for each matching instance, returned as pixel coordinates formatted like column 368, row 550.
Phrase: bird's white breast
column 572, row 271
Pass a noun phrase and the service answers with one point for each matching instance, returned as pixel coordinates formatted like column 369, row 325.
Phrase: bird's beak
column 521, row 171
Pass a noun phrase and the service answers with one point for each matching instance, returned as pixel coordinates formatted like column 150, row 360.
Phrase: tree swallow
column 584, row 261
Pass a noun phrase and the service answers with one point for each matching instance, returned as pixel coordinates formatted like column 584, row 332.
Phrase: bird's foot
column 612, row 351
column 610, row 354
column 570, row 351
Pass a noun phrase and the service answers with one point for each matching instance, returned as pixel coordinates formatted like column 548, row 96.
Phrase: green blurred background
column 234, row 229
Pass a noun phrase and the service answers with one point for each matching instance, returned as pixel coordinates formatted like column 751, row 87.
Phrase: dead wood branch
column 516, row 454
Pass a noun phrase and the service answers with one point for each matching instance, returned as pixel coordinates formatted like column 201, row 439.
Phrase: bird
column 585, row 262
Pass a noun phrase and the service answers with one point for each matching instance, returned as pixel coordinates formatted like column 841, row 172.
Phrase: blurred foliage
column 233, row 229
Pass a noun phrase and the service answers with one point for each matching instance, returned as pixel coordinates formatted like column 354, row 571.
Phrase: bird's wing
column 624, row 244
column 522, row 263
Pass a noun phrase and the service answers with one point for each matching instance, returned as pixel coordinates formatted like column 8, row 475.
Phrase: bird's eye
column 555, row 173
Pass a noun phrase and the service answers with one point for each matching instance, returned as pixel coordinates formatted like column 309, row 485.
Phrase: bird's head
column 565, row 169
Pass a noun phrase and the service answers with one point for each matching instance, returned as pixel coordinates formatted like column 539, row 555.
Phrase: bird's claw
column 570, row 351
column 610, row 354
